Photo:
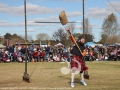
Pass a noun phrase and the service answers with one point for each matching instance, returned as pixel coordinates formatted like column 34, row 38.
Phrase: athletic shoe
column 83, row 82
column 72, row 84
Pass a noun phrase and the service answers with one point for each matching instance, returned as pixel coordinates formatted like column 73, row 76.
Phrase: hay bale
column 63, row 18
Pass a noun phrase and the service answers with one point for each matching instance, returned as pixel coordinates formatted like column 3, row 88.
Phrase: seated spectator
column 35, row 55
column 56, row 58
column 106, row 56
column 41, row 55
column 100, row 58
column 91, row 55
column 29, row 56
column 4, row 57
column 66, row 55
column 113, row 55
column 14, row 56
column 49, row 59
column 19, row 57
column 87, row 55
column 118, row 55
column 0, row 56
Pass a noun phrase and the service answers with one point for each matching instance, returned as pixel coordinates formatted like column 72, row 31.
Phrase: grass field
column 104, row 75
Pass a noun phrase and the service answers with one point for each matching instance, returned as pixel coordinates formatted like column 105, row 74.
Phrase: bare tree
column 29, row 38
column 60, row 35
column 87, row 30
column 87, row 27
column 72, row 30
column 72, row 27
column 42, row 37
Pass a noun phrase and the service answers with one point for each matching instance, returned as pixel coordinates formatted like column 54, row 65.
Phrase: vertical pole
column 83, row 22
column 26, row 76
column 25, row 36
column 85, row 72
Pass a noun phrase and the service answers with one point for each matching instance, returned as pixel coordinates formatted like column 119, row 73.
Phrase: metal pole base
column 26, row 78
column 86, row 76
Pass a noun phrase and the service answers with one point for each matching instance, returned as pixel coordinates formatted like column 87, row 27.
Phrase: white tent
column 117, row 44
column 2, row 46
column 99, row 45
column 59, row 44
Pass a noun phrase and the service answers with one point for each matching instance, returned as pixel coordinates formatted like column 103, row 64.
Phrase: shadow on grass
column 76, row 80
column 63, row 77
column 48, row 68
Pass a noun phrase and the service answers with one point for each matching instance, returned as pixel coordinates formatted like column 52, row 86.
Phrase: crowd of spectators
column 35, row 53
column 103, row 53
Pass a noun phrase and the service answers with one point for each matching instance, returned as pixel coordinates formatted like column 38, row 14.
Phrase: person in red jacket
column 41, row 56
column 35, row 55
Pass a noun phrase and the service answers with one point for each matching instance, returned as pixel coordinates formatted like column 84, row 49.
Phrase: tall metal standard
column 83, row 22
column 85, row 72
column 26, row 75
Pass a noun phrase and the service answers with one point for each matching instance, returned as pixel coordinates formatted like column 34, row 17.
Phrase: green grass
column 104, row 75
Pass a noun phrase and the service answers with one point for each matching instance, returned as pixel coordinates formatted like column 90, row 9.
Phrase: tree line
column 110, row 34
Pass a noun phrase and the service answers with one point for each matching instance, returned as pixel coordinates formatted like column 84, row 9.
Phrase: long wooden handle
column 63, row 19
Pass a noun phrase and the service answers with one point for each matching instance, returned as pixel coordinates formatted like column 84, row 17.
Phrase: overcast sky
column 12, row 15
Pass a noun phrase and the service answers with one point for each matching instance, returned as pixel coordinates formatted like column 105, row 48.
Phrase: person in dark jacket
column 23, row 51
column 11, row 48
column 77, row 62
